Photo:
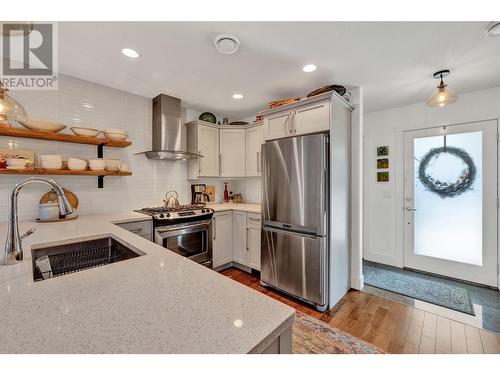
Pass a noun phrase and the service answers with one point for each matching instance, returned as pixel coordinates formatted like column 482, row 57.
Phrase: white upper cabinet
column 203, row 139
column 253, row 151
column 307, row 116
column 232, row 152
column 277, row 125
column 311, row 118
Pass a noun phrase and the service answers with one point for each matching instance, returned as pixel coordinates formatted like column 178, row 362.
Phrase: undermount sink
column 59, row 260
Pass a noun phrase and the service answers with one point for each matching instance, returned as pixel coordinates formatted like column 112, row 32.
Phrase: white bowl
column 97, row 164
column 52, row 164
column 42, row 125
column 85, row 132
column 112, row 164
column 120, row 131
column 77, row 164
column 116, row 136
column 16, row 163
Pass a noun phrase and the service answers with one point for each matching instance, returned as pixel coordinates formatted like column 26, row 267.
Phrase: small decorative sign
column 383, row 163
column 382, row 151
column 382, row 176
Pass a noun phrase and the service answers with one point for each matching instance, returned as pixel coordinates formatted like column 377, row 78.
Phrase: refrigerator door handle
column 283, row 231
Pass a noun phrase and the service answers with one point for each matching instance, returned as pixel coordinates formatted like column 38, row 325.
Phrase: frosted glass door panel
column 449, row 226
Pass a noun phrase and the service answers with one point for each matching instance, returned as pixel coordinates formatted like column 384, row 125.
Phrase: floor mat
column 441, row 294
column 312, row 336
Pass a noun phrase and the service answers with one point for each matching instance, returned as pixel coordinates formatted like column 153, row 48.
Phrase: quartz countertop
column 156, row 303
column 247, row 207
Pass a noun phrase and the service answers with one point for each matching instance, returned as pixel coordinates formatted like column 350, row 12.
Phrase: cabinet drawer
column 141, row 228
column 254, row 220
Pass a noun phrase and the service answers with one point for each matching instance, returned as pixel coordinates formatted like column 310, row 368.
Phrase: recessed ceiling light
column 237, row 96
column 309, row 68
column 493, row 29
column 226, row 44
column 129, row 52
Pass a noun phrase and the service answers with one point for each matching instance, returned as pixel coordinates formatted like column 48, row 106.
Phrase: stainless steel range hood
column 167, row 131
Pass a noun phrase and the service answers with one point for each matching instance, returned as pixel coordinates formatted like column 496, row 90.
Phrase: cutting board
column 210, row 190
column 51, row 196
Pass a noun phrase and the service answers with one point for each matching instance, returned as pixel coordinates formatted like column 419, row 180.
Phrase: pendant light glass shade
column 443, row 96
column 10, row 109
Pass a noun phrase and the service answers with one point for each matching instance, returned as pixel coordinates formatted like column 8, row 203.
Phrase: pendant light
column 10, row 109
column 443, row 96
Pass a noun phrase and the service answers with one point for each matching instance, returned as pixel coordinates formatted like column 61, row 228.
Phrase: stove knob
column 168, row 214
column 203, row 211
column 161, row 216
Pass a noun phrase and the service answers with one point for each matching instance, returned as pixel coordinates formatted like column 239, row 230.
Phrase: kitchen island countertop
column 156, row 303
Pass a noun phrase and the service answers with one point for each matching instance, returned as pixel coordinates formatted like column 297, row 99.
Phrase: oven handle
column 174, row 229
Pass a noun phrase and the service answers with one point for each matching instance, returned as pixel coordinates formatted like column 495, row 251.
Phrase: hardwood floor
column 391, row 326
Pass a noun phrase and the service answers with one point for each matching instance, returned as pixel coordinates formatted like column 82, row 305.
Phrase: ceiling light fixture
column 237, row 96
column 309, row 68
column 129, row 52
column 443, row 96
column 492, row 29
column 226, row 44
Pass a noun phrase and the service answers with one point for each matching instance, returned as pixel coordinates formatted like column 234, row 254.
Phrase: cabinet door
column 311, row 118
column 254, row 238
column 253, row 143
column 240, row 252
column 277, row 125
column 222, row 238
column 208, row 144
column 232, row 152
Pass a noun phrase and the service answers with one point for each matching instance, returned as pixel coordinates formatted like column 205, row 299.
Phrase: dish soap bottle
column 226, row 193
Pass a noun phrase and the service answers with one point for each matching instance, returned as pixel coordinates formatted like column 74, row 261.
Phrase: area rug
column 449, row 296
column 312, row 336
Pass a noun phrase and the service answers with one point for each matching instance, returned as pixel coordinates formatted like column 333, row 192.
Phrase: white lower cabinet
column 240, row 252
column 242, row 247
column 222, row 232
column 254, row 246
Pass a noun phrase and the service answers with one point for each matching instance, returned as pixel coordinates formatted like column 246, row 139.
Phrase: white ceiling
column 393, row 61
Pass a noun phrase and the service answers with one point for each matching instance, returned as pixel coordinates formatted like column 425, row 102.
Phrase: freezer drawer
column 295, row 264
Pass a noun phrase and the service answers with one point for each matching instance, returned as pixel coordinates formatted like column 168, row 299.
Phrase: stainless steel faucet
column 13, row 243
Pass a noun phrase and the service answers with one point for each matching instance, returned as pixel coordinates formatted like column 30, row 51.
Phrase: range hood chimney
column 167, row 130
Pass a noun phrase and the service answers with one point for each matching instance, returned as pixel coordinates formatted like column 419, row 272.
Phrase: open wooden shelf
column 63, row 172
column 49, row 136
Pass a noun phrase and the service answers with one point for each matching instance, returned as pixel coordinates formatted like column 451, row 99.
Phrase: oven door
column 191, row 240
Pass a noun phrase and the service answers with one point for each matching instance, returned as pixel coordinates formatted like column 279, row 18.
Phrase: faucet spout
column 13, row 243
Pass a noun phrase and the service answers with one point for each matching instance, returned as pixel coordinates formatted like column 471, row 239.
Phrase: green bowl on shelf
column 208, row 117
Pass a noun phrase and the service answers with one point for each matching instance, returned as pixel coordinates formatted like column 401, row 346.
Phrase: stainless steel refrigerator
column 294, row 257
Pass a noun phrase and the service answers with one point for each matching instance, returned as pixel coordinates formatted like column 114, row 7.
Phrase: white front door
column 450, row 201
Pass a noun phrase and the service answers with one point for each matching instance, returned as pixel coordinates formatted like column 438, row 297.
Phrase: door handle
column 199, row 163
column 410, row 209
column 247, row 239
column 215, row 229
column 293, row 127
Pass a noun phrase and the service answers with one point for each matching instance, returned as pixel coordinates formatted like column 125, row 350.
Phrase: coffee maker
column 198, row 194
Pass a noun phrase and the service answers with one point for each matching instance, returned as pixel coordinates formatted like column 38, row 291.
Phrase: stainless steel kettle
column 171, row 200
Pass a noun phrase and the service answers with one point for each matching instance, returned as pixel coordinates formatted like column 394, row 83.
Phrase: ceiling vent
column 226, row 44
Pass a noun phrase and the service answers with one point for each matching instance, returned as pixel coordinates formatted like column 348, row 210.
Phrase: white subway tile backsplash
column 82, row 103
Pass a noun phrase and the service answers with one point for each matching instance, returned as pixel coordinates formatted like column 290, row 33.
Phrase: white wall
column 383, row 202
column 110, row 109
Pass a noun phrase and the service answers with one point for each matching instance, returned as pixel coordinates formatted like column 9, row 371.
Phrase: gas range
column 173, row 215
column 185, row 230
